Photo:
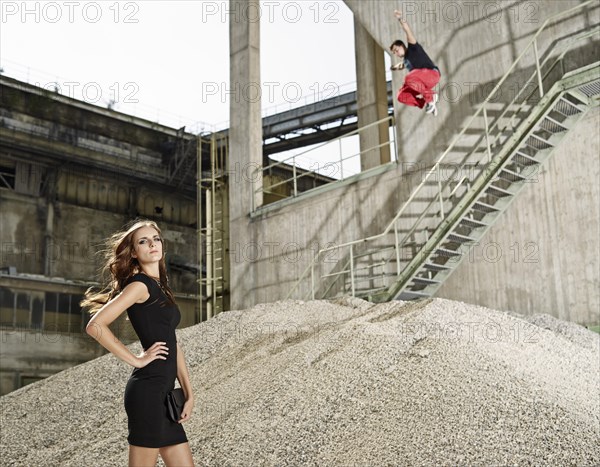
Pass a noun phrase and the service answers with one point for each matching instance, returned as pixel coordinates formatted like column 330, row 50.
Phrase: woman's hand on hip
column 157, row 351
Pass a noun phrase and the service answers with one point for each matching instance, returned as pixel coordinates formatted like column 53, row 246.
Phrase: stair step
column 497, row 189
column 473, row 222
column 446, row 252
column 552, row 125
column 436, row 267
column 407, row 294
column 425, row 281
column 455, row 237
column 566, row 107
column 513, row 175
column 484, row 207
column 590, row 89
column 537, row 142
column 522, row 155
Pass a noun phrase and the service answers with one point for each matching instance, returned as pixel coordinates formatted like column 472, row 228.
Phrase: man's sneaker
column 431, row 109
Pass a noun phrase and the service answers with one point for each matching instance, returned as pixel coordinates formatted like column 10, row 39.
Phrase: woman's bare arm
column 136, row 292
column 184, row 381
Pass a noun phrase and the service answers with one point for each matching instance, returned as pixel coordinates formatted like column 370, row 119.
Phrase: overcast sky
column 170, row 59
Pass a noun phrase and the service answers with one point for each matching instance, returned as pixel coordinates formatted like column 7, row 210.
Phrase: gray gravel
column 344, row 383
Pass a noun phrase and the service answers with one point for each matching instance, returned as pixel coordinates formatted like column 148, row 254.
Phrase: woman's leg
column 177, row 455
column 142, row 457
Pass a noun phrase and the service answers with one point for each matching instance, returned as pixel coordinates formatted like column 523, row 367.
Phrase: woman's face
column 147, row 245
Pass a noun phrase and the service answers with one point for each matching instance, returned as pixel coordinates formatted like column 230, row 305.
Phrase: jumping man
column 423, row 75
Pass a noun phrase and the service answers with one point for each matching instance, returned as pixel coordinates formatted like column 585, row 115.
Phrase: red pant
column 419, row 81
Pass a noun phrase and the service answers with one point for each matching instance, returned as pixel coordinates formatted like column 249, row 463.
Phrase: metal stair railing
column 489, row 144
column 570, row 98
column 396, row 246
column 183, row 159
column 346, row 265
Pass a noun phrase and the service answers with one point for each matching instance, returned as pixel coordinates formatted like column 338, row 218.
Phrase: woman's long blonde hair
column 120, row 265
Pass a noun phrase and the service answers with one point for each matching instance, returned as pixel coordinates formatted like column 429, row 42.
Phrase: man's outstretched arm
column 410, row 37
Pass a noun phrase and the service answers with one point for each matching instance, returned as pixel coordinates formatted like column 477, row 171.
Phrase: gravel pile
column 342, row 383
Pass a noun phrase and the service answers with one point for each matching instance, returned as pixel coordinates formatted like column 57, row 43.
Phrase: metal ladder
column 501, row 147
column 214, row 238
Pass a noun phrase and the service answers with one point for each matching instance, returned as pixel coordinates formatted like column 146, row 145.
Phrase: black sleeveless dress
column 154, row 320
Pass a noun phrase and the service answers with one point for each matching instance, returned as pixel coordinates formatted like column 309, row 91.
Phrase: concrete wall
column 285, row 240
column 275, row 248
column 77, row 238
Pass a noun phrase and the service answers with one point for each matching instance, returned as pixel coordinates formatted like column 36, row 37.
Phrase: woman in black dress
column 138, row 284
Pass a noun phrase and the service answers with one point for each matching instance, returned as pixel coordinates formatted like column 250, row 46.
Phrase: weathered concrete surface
column 371, row 96
column 245, row 139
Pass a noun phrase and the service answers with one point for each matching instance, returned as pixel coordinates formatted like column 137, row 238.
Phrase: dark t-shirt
column 417, row 58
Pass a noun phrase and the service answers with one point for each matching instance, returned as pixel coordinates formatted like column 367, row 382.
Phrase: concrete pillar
column 371, row 98
column 245, row 142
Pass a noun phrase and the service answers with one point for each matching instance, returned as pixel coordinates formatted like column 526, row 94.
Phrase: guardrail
column 324, row 171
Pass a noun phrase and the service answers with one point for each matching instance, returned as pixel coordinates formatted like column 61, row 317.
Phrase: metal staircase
column 495, row 188
column 180, row 166
column 499, row 150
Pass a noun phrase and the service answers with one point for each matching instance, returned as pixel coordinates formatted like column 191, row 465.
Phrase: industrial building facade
column 71, row 174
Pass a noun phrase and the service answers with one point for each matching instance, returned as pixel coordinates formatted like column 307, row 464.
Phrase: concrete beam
column 372, row 98
column 245, row 140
